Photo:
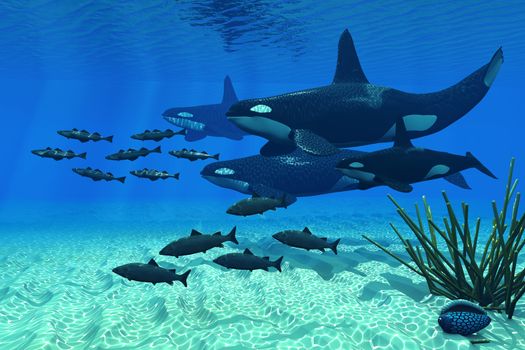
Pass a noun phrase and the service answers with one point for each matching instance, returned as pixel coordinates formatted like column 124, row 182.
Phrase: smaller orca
column 403, row 164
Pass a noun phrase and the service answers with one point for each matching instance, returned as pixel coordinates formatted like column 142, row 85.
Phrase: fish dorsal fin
column 74, row 129
column 152, row 262
column 204, row 152
column 266, row 258
column 142, row 149
column 84, row 130
column 147, row 130
column 217, row 233
column 57, row 149
column 156, row 130
column 120, row 151
column 324, row 238
column 96, row 133
column 48, row 148
column 110, row 174
column 98, row 170
column 247, row 251
column 193, row 150
column 401, row 138
column 88, row 168
column 348, row 68
column 195, row 233
column 228, row 95
column 307, row 231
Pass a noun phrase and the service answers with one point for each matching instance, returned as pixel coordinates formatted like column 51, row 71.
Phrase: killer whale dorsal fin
column 348, row 69
column 401, row 138
column 153, row 263
column 247, row 251
column 228, row 95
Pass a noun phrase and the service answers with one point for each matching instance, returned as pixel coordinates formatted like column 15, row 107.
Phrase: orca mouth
column 233, row 184
column 186, row 123
column 265, row 127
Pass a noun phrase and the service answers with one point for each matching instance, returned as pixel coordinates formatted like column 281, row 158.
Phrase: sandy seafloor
column 57, row 290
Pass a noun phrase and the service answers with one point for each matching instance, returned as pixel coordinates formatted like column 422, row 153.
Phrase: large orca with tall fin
column 352, row 112
column 207, row 120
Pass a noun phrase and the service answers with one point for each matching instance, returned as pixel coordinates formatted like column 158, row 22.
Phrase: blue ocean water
column 115, row 66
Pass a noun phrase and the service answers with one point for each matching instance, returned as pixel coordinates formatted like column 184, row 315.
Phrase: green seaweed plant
column 460, row 272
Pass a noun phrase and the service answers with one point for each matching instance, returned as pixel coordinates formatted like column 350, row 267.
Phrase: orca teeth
column 185, row 123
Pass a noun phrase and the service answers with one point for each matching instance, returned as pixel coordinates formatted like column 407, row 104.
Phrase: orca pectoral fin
column 272, row 149
column 398, row 186
column 311, row 143
column 458, row 179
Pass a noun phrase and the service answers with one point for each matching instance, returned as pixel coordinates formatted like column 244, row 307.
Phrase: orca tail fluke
column 477, row 164
column 442, row 108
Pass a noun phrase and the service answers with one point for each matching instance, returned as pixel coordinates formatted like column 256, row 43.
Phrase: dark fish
column 84, row 135
column 153, row 175
column 306, row 240
column 97, row 174
column 157, row 135
column 57, row 154
column 132, row 154
column 247, row 261
column 255, row 205
column 150, row 272
column 198, row 243
column 463, row 317
column 193, row 155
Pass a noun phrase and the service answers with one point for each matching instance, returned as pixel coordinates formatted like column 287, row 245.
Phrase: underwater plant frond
column 457, row 272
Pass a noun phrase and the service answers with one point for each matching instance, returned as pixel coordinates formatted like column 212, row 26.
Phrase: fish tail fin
column 109, row 138
column 157, row 149
column 479, row 166
column 184, row 278
column 334, row 244
column 182, row 132
column 216, row 156
column 82, row 155
column 231, row 235
column 121, row 179
column 277, row 263
column 176, row 176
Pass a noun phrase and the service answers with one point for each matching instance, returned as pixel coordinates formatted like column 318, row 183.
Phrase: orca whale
column 353, row 112
column 207, row 120
column 403, row 164
column 286, row 177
